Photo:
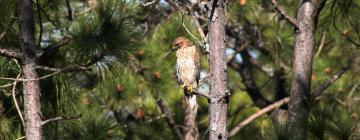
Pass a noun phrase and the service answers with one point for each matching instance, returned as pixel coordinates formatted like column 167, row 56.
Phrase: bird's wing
column 178, row 74
column 197, row 63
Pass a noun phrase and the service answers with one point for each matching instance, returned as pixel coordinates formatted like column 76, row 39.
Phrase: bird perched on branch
column 187, row 64
column 188, row 74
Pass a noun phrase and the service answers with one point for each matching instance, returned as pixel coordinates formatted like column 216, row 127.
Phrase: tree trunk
column 218, row 95
column 31, row 89
column 191, row 108
column 299, row 105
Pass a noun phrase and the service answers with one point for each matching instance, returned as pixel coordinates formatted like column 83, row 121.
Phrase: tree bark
column 31, row 89
column 218, row 95
column 299, row 105
column 191, row 128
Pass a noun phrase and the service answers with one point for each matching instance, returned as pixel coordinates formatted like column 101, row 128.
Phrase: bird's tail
column 191, row 101
column 191, row 97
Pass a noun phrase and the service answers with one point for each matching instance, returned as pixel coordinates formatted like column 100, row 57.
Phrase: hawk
column 187, row 64
column 188, row 74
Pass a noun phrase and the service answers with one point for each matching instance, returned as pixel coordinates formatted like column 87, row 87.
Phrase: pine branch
column 282, row 12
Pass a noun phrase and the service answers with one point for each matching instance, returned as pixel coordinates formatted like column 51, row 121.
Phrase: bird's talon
column 190, row 89
column 182, row 86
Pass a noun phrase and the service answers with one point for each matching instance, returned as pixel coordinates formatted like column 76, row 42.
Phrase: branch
column 15, row 101
column 283, row 101
column 69, row 9
column 10, row 53
column 331, row 80
column 169, row 118
column 149, row 3
column 282, row 12
column 3, row 33
column 196, row 22
column 69, row 69
column 61, row 118
column 267, row 70
column 259, row 113
column 53, row 47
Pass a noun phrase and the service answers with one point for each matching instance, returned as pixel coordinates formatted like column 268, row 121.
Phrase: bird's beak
column 175, row 47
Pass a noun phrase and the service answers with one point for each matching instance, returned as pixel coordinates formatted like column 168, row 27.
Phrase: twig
column 83, row 11
column 196, row 22
column 53, row 47
column 12, row 20
column 15, row 101
column 149, row 3
column 267, row 70
column 47, row 76
column 156, row 118
column 6, row 85
column 9, row 53
column 331, row 80
column 321, row 44
column 23, row 137
column 285, row 100
column 259, row 113
column 61, row 118
column 193, row 36
column 282, row 12
column 169, row 118
column 201, row 94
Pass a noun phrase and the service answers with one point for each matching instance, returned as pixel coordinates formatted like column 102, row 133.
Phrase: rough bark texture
column 191, row 108
column 299, row 105
column 218, row 96
column 31, row 89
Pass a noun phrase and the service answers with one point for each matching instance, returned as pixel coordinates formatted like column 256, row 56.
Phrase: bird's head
column 181, row 42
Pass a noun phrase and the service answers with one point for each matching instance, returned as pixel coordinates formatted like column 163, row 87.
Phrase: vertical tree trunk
column 31, row 89
column 217, row 63
column 299, row 105
column 191, row 108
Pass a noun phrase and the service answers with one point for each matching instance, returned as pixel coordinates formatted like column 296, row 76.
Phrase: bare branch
column 149, row 3
column 10, row 53
column 16, row 103
column 259, row 113
column 69, row 69
column 196, row 22
column 267, row 70
column 282, row 12
column 3, row 33
column 283, row 101
column 331, row 80
column 53, row 47
column 61, row 118
column 169, row 118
